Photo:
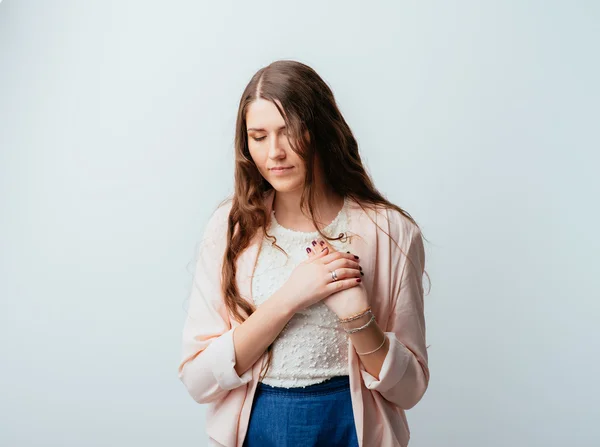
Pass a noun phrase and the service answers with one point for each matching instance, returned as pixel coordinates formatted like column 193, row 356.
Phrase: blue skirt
column 312, row 416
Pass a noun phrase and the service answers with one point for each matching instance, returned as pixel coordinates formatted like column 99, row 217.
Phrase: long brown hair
column 308, row 107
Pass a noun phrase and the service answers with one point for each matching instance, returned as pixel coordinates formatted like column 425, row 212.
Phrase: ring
column 334, row 276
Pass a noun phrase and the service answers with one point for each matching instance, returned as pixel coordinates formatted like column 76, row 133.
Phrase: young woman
column 305, row 324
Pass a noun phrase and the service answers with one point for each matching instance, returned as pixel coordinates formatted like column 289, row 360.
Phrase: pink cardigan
column 394, row 287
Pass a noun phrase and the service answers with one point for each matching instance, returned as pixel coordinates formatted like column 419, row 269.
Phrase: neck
column 287, row 208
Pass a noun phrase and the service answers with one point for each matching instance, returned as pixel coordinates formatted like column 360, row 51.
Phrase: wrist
column 282, row 306
column 353, row 308
column 357, row 322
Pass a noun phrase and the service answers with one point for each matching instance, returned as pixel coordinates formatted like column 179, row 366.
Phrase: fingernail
column 322, row 243
column 360, row 267
column 325, row 249
column 308, row 250
column 347, row 252
column 362, row 273
column 356, row 256
column 358, row 280
column 314, row 242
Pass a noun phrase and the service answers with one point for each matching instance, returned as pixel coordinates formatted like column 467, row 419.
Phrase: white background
column 116, row 136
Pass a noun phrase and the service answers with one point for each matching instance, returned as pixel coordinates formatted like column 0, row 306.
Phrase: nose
column 276, row 149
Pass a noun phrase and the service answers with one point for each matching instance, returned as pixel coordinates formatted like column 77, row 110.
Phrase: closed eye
column 258, row 139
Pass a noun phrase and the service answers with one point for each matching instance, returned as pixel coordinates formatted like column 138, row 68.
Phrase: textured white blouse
column 312, row 347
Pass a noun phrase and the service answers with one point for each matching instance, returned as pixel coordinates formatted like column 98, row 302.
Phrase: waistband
column 337, row 383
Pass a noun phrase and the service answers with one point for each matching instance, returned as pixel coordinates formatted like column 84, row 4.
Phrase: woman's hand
column 311, row 281
column 347, row 301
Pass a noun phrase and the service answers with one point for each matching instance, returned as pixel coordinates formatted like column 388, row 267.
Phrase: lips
column 281, row 168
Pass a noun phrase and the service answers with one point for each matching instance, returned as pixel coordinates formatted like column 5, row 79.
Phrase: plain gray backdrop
column 116, row 141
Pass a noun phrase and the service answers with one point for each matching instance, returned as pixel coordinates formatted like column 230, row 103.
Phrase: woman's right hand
column 311, row 282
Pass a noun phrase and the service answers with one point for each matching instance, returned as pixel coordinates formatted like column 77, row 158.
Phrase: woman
column 305, row 324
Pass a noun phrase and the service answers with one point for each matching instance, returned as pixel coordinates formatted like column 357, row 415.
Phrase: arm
column 253, row 336
column 367, row 340
column 404, row 374
column 208, row 366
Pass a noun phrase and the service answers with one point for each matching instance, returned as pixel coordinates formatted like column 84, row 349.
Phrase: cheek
column 254, row 153
column 259, row 159
column 298, row 161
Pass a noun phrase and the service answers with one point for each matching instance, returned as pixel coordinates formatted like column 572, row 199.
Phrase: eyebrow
column 263, row 130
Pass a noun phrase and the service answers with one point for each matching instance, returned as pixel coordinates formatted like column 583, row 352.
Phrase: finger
column 344, row 273
column 342, row 284
column 353, row 255
column 338, row 255
column 320, row 252
column 309, row 252
column 325, row 243
column 316, row 248
column 344, row 263
column 315, row 253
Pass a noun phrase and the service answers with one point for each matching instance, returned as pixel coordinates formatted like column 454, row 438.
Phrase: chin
column 285, row 186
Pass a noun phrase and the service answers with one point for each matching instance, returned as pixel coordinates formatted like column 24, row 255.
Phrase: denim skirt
column 312, row 416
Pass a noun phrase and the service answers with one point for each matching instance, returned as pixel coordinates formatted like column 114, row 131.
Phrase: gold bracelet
column 355, row 316
column 371, row 352
column 356, row 329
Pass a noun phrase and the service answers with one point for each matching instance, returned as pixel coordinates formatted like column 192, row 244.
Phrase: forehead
column 263, row 114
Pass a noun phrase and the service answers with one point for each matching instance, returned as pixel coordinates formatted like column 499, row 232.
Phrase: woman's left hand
column 345, row 302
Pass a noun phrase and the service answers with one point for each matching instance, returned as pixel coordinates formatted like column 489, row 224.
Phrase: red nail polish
column 358, row 280
column 322, row 243
column 308, row 250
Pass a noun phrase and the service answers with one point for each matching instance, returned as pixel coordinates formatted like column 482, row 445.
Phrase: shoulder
column 390, row 223
column 403, row 229
column 405, row 241
column 399, row 223
column 216, row 225
column 410, row 250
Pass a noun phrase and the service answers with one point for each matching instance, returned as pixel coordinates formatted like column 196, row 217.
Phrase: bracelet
column 356, row 316
column 371, row 352
column 356, row 329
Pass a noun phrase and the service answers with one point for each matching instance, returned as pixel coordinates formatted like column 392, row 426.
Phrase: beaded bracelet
column 356, row 316
column 352, row 331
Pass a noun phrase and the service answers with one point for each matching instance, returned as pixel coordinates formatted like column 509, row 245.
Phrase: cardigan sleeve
column 404, row 375
column 208, row 356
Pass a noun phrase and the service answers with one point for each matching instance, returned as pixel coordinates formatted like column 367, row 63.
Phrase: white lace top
column 312, row 347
